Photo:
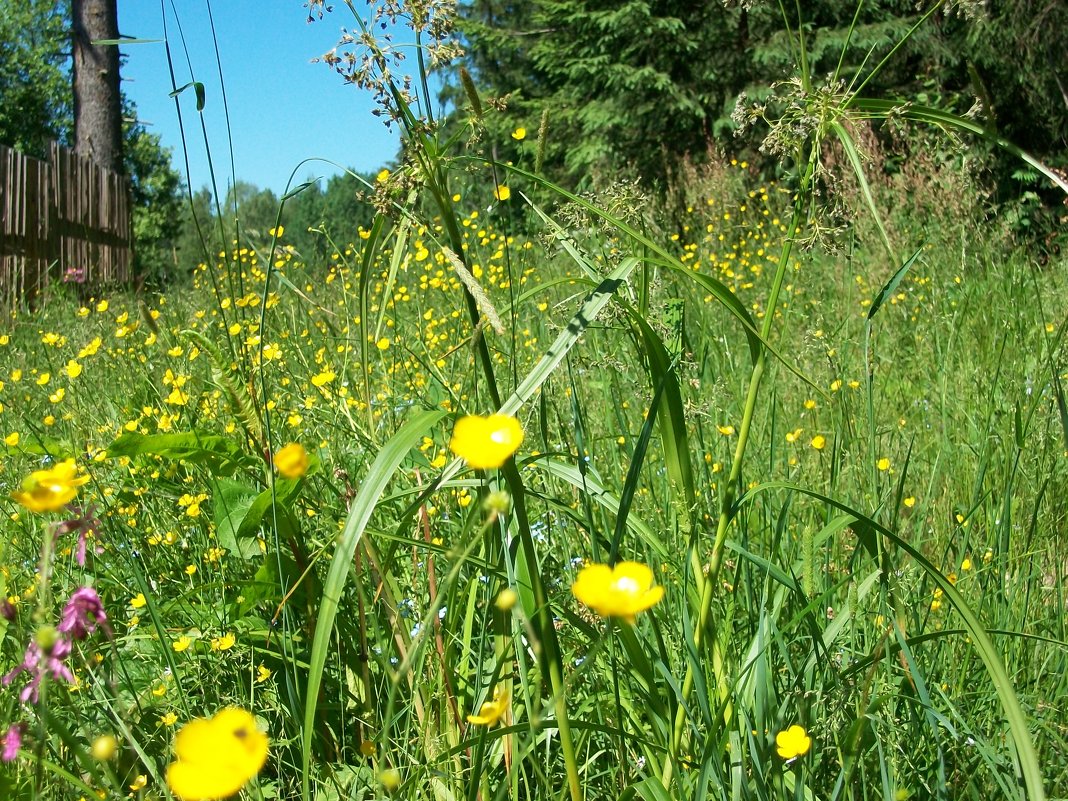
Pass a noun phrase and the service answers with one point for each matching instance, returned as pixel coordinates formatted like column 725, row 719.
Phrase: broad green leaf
column 280, row 498
column 649, row 789
column 223, row 456
column 232, row 501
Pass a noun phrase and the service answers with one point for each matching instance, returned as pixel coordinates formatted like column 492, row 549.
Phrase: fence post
column 65, row 218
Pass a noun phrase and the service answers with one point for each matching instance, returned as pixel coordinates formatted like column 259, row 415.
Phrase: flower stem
column 730, row 490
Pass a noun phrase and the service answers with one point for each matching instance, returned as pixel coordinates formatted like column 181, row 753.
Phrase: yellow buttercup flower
column 104, row 747
column 51, row 489
column 519, row 134
column 506, row 599
column 621, row 591
column 492, row 711
column 502, row 193
column 223, row 643
column 216, row 757
column 793, row 742
column 486, row 442
column 291, row 460
column 390, row 779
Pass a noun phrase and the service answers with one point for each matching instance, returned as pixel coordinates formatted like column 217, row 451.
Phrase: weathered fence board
column 65, row 220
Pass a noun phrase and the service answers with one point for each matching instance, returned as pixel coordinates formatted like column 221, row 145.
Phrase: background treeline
column 319, row 220
column 639, row 87
column 174, row 230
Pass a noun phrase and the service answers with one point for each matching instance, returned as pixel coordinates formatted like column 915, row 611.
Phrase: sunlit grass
column 527, row 495
column 197, row 601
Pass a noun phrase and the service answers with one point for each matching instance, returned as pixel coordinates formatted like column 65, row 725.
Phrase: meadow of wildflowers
column 181, row 470
column 485, row 507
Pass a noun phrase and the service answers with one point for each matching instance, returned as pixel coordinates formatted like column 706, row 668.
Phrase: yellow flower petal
column 621, row 591
column 492, row 711
column 216, row 757
column 291, row 460
column 52, row 489
column 486, row 442
column 793, row 742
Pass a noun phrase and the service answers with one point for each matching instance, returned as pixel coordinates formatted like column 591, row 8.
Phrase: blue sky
column 282, row 108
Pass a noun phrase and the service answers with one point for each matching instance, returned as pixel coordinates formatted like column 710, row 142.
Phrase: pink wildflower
column 12, row 741
column 37, row 663
column 82, row 614
column 86, row 524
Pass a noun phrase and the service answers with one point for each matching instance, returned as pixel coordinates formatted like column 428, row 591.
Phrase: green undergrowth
column 215, row 591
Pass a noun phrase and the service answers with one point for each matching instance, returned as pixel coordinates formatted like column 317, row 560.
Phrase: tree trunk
column 97, row 101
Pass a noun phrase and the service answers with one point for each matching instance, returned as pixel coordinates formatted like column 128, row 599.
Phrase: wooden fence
column 63, row 220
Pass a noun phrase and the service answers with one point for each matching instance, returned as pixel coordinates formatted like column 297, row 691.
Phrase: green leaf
column 671, row 416
column 232, row 502
column 892, row 284
column 198, row 89
column 714, row 287
column 591, row 307
column 850, row 150
column 124, row 40
column 590, row 484
column 943, row 119
column 3, row 595
column 280, row 500
column 650, row 789
column 221, row 455
column 1026, row 758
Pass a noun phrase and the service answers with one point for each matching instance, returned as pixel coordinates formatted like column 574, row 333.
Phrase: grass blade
column 374, row 484
column 1026, row 757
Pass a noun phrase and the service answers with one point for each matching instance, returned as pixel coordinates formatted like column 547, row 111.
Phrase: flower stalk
column 730, row 490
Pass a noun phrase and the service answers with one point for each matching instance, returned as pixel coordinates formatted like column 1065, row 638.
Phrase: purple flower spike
column 11, row 742
column 36, row 663
column 82, row 614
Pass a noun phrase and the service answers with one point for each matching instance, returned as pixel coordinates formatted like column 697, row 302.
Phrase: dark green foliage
column 629, row 87
column 640, row 83
column 194, row 244
column 633, row 87
column 315, row 218
column 254, row 208
column 317, row 221
column 1018, row 57
column 1017, row 63
column 158, row 201
column 35, row 103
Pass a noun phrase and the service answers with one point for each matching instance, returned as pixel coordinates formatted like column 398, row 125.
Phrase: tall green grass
column 846, row 468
